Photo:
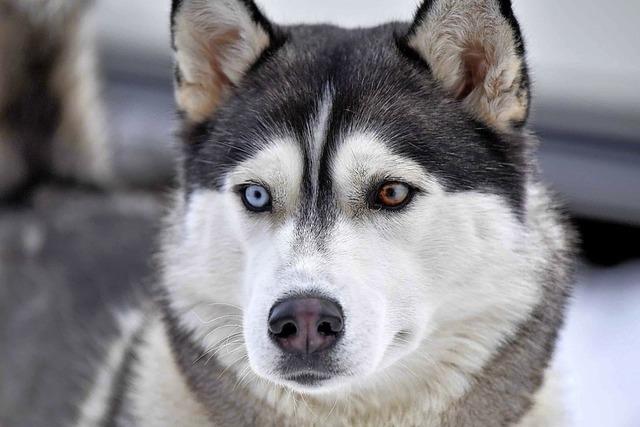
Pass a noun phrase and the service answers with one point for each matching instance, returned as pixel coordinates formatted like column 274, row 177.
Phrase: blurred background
column 584, row 57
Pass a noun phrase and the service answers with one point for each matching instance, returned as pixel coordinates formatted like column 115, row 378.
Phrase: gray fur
column 503, row 392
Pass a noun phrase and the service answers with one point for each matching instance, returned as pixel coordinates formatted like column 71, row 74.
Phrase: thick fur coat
column 387, row 172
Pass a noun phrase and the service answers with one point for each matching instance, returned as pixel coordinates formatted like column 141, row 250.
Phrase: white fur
column 454, row 273
column 206, row 263
column 318, row 137
column 160, row 396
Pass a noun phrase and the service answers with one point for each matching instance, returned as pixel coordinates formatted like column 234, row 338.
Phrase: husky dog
column 360, row 236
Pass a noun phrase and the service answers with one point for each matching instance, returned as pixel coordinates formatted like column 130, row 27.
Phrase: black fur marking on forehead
column 377, row 88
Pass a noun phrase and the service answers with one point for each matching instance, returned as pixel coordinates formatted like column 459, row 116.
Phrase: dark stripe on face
column 318, row 209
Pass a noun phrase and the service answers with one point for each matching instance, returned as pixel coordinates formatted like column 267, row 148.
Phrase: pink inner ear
column 476, row 66
column 216, row 50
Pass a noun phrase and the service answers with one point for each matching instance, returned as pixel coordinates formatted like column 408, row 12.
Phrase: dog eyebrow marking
column 311, row 225
column 317, row 140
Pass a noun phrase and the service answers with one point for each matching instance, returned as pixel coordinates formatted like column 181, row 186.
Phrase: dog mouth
column 308, row 378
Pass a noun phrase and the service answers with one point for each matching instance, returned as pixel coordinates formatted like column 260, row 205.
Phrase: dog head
column 353, row 200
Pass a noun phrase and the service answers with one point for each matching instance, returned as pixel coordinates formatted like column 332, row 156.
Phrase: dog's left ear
column 215, row 43
column 474, row 49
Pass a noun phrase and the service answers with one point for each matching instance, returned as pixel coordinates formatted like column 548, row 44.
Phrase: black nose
column 305, row 325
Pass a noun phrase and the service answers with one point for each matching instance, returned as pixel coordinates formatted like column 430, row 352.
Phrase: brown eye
column 393, row 195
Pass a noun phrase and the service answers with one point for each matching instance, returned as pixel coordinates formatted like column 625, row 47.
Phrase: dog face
column 353, row 199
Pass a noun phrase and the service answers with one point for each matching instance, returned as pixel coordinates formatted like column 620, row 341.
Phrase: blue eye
column 256, row 198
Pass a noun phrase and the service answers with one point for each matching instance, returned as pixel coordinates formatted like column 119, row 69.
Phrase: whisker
column 292, row 396
column 227, row 345
column 307, row 405
column 243, row 375
column 212, row 352
column 232, row 337
column 225, row 304
column 233, row 363
column 213, row 347
column 335, row 402
column 217, row 351
column 217, row 328
column 206, row 322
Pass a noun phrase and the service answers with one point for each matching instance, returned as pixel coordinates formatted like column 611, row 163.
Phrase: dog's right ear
column 215, row 43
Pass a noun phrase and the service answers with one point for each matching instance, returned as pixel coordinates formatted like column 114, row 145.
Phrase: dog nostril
column 289, row 329
column 330, row 326
column 283, row 327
